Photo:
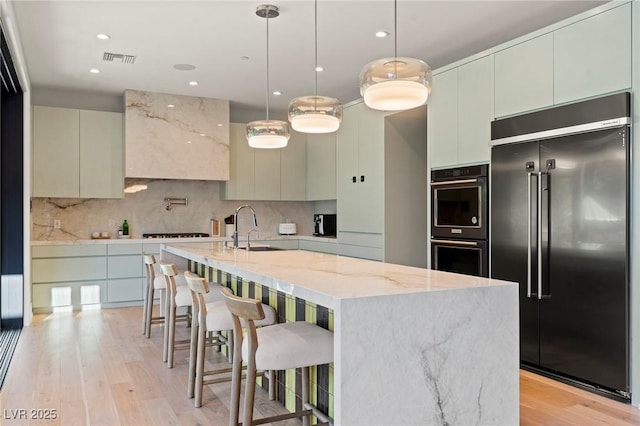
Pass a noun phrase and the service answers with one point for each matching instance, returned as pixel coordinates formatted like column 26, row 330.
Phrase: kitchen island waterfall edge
column 412, row 346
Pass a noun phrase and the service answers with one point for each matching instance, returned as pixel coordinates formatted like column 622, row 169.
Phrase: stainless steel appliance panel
column 459, row 202
column 512, row 204
column 469, row 257
column 584, row 299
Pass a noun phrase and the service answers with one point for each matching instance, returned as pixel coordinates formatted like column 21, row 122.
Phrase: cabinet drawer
column 124, row 266
column 371, row 253
column 124, row 290
column 360, row 239
column 124, row 249
column 71, row 294
column 319, row 246
column 68, row 269
column 69, row 251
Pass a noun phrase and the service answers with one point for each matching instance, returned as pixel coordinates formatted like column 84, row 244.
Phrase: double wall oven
column 460, row 220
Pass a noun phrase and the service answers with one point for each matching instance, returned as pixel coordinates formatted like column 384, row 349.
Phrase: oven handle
column 457, row 243
column 454, row 182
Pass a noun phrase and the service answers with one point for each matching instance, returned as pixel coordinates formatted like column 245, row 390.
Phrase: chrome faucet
column 249, row 235
column 235, row 223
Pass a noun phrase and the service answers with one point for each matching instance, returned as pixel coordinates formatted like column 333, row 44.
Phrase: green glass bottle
column 125, row 228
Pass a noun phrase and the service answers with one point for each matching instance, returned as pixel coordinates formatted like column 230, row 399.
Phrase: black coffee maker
column 325, row 225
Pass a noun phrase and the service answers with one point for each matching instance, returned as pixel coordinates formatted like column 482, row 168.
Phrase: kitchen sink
column 261, row 248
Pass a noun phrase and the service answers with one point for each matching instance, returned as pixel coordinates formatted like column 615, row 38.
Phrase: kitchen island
column 412, row 346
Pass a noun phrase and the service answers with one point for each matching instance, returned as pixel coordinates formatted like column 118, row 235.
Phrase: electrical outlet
column 112, row 224
column 56, row 224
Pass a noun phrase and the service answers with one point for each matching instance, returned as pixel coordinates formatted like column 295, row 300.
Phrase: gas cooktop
column 176, row 235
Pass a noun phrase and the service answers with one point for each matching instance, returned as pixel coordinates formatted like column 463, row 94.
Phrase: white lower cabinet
column 73, row 276
column 319, row 246
column 124, row 273
column 68, row 276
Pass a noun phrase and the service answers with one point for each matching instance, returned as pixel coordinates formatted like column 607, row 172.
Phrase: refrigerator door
column 583, row 309
column 512, row 224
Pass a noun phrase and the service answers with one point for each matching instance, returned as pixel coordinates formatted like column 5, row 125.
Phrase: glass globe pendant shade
column 315, row 114
column 268, row 134
column 395, row 84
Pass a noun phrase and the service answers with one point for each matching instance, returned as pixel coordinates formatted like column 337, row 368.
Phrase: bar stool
column 179, row 296
column 155, row 281
column 278, row 347
column 209, row 317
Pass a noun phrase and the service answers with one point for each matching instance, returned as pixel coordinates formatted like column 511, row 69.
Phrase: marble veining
column 187, row 141
column 145, row 211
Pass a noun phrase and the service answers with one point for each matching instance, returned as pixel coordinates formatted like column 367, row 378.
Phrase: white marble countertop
column 326, row 279
column 176, row 240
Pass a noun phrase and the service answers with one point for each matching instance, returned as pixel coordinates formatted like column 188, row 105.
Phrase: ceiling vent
column 115, row 57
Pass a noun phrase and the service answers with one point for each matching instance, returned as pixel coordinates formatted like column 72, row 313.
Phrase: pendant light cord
column 267, row 65
column 395, row 27
column 315, row 70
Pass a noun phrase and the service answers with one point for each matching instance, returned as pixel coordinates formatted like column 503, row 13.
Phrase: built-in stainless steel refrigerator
column 559, row 226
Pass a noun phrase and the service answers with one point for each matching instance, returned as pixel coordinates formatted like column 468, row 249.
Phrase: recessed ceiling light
column 184, row 67
column 171, row 105
column 319, row 69
column 103, row 36
column 193, row 83
column 220, row 124
column 277, row 93
column 382, row 34
column 94, row 71
column 202, row 134
column 188, row 141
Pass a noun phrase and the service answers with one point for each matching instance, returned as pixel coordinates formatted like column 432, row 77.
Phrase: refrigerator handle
column 544, row 189
column 539, row 234
column 530, row 176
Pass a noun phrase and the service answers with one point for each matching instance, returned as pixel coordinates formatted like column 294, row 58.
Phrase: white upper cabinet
column 443, row 119
column 265, row 174
column 321, row 166
column 475, row 110
column 524, row 76
column 77, row 153
column 56, row 152
column 460, row 113
column 293, row 168
column 240, row 185
column 593, row 56
column 101, row 156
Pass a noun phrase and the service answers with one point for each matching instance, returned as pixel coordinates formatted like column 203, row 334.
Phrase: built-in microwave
column 459, row 203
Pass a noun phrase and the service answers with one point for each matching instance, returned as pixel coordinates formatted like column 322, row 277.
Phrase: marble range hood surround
column 187, row 141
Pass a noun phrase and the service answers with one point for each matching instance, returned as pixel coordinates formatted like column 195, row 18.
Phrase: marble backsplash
column 145, row 212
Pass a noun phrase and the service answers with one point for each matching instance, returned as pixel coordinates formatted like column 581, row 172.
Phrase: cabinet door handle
column 353, row 179
column 362, row 178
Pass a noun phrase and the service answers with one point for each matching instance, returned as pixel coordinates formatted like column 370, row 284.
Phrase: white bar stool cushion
column 291, row 345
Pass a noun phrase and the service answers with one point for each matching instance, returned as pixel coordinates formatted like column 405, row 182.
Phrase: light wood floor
column 96, row 368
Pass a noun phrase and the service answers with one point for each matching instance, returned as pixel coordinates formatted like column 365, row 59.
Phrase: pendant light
column 315, row 114
column 395, row 84
column 268, row 133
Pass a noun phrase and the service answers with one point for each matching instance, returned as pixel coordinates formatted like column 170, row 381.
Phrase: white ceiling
column 60, row 44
